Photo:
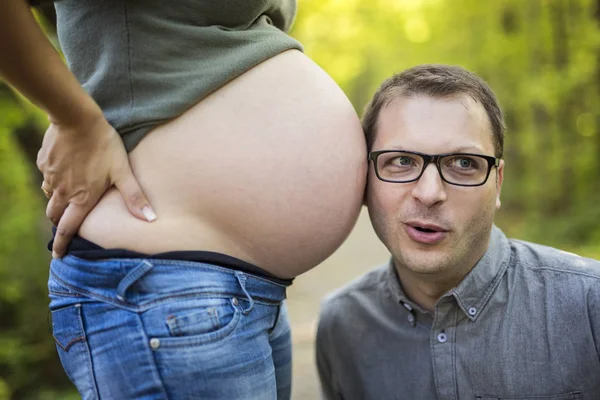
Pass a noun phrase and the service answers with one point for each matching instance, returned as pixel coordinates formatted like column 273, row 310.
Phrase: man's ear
column 499, row 179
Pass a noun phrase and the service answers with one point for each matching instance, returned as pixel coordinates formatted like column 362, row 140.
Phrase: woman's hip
column 150, row 333
column 139, row 284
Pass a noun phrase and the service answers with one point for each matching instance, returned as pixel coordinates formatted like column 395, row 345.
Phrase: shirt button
column 154, row 343
column 472, row 311
column 411, row 318
column 442, row 337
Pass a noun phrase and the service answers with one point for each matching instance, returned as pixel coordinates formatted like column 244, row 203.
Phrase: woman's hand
column 79, row 164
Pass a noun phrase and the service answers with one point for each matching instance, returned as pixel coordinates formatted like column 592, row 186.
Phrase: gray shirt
column 523, row 324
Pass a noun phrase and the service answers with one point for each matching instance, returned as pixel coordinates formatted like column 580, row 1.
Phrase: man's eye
column 403, row 161
column 464, row 163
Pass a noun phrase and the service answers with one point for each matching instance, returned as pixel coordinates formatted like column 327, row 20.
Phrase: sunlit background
column 542, row 58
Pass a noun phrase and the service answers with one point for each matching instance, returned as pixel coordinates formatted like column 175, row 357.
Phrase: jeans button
column 154, row 343
column 235, row 301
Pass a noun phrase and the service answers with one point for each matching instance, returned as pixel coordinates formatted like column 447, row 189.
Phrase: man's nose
column 430, row 188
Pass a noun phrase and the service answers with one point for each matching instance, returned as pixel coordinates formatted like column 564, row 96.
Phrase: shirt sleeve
column 324, row 355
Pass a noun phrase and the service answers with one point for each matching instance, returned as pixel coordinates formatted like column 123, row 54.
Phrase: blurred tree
column 542, row 58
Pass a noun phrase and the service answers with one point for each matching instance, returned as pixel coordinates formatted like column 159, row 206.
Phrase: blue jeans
column 168, row 329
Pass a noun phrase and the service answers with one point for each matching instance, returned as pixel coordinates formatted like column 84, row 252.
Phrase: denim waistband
column 87, row 250
column 138, row 283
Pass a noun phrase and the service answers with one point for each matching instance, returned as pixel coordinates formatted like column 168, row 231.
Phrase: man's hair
column 438, row 81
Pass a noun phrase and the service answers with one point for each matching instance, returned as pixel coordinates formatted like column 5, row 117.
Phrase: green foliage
column 26, row 349
column 542, row 58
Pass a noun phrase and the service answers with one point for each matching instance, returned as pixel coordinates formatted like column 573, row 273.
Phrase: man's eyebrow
column 397, row 147
column 461, row 149
column 467, row 149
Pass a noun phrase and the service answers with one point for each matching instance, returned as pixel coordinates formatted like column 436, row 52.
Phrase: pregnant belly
column 270, row 169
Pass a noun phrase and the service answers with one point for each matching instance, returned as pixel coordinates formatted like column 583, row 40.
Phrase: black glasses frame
column 434, row 158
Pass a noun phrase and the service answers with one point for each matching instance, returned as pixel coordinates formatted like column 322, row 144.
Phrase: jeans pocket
column 73, row 350
column 200, row 321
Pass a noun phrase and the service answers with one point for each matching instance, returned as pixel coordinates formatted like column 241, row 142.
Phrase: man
column 460, row 312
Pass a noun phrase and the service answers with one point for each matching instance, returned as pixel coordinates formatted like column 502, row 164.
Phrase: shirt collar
column 393, row 283
column 395, row 287
column 475, row 290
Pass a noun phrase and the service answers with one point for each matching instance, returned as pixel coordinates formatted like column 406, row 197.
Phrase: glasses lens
column 464, row 169
column 397, row 166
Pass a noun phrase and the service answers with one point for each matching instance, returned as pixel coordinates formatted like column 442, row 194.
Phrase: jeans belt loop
column 241, row 277
column 132, row 277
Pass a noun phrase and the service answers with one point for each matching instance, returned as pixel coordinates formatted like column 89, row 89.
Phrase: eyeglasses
column 461, row 169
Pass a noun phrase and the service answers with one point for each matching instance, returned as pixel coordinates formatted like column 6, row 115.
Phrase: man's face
column 461, row 217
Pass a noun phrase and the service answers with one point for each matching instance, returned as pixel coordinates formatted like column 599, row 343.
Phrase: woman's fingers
column 56, row 207
column 67, row 211
column 47, row 191
column 134, row 197
column 67, row 227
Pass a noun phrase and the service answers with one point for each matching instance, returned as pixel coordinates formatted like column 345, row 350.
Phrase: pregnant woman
column 252, row 159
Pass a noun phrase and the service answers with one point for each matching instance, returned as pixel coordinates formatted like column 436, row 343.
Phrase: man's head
column 437, row 81
column 428, row 224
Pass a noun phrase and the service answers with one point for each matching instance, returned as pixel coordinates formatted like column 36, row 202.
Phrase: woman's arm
column 30, row 64
column 81, row 154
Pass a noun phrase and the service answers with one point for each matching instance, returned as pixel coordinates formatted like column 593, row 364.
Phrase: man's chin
column 423, row 262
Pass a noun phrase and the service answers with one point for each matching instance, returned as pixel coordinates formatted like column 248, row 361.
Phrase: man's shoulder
column 355, row 297
column 366, row 284
column 540, row 258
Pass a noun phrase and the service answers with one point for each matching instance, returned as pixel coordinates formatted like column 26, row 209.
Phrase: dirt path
column 361, row 252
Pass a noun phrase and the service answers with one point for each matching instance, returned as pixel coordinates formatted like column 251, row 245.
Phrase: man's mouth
column 425, row 229
column 426, row 233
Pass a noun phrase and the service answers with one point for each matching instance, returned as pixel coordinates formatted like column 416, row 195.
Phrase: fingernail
column 148, row 214
column 54, row 255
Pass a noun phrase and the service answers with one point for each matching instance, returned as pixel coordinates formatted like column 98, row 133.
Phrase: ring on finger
column 47, row 193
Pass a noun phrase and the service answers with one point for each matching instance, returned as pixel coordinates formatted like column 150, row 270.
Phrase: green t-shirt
column 147, row 61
